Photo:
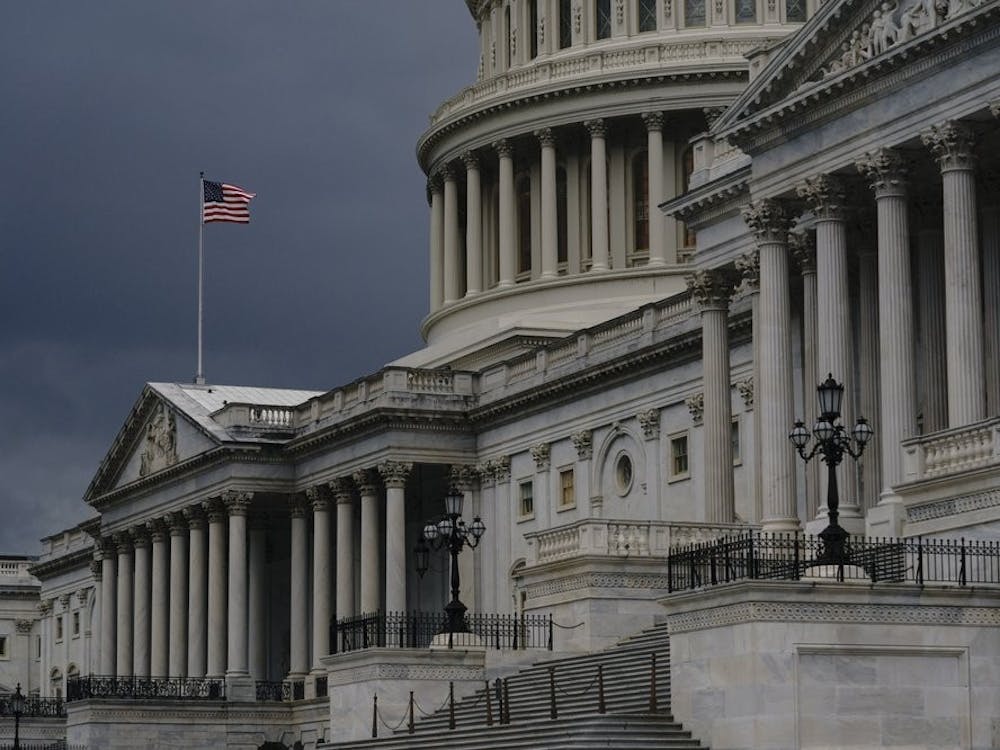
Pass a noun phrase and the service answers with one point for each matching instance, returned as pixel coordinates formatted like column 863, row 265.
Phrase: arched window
column 647, row 15
column 565, row 23
column 745, row 11
column 562, row 215
column 55, row 683
column 602, row 12
column 694, row 12
column 795, row 10
column 640, row 201
column 523, row 190
column 533, row 31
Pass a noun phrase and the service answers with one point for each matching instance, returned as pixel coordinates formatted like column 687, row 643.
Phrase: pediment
column 156, row 436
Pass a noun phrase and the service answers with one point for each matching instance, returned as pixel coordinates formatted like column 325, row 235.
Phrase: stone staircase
column 630, row 721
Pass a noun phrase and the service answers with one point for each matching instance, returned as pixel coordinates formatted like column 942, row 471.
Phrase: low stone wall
column 33, row 730
column 822, row 665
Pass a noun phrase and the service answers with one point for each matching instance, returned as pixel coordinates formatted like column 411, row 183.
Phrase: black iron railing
column 140, row 688
column 54, row 745
column 791, row 557
column 33, row 706
column 419, row 630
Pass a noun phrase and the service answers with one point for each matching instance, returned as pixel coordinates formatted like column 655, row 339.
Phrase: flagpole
column 199, row 378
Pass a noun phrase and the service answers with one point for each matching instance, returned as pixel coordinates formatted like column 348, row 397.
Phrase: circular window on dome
column 624, row 473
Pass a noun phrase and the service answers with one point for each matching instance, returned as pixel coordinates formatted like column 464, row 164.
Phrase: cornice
column 76, row 559
column 713, row 199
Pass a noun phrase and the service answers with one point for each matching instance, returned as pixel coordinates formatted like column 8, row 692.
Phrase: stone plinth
column 827, row 665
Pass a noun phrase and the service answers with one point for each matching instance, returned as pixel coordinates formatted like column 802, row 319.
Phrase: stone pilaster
column 550, row 214
column 159, row 611
column 366, row 481
column 298, row 664
column 319, row 500
column 584, row 445
column 123, row 660
column 215, row 510
column 599, row 247
column 141, row 598
column 109, row 585
column 507, row 214
column 473, row 225
column 177, row 666
column 654, row 150
column 394, row 475
column 749, row 267
column 237, row 506
column 197, row 626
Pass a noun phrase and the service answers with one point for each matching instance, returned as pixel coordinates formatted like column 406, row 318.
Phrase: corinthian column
column 933, row 368
column 178, row 594
column 197, row 630
column 394, row 474
column 216, row 513
column 319, row 499
column 599, row 251
column 507, row 218
column 712, row 290
column 803, row 249
column 437, row 242
column 769, row 223
column 298, row 664
column 473, row 225
column 452, row 248
column 371, row 595
column 550, row 213
column 237, row 505
column 344, row 494
column 654, row 150
column 884, row 168
column 123, row 544
column 140, row 623
column 159, row 611
column 108, row 620
column 952, row 145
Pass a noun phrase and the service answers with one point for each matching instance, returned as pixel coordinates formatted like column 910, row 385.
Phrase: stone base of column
column 781, row 526
column 240, row 687
column 886, row 519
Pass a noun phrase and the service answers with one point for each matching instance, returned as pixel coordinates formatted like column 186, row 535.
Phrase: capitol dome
column 528, row 241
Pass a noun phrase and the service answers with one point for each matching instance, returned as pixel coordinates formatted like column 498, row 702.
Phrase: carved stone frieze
column 540, row 454
column 768, row 219
column 952, row 143
column 583, row 441
column 159, row 449
column 825, row 195
column 649, row 421
column 696, row 406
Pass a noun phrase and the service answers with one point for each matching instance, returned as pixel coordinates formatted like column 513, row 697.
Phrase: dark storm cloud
column 110, row 109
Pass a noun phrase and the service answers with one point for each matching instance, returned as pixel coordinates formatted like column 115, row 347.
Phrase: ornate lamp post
column 450, row 533
column 17, row 704
column 832, row 442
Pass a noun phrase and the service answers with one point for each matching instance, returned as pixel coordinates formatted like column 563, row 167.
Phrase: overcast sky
column 109, row 111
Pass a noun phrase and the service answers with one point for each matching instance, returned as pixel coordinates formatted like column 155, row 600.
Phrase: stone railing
column 15, row 568
column 602, row 537
column 952, row 451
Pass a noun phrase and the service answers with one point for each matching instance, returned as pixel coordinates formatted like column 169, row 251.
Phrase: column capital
column 649, row 421
column 297, row 505
column 64, row 600
column 195, row 516
column 597, row 128
column 45, row 607
column 886, row 170
column 96, row 571
column 394, row 473
column 712, row 114
column 583, row 441
column 486, row 474
column 713, row 287
column 748, row 265
column 176, row 522
column 342, row 489
column 318, row 498
column 546, row 137
column 540, row 453
column 504, row 148
column 768, row 219
column 802, row 246
column 501, row 469
column 447, row 173
column 825, row 195
column 434, row 187
column 122, row 541
column 952, row 143
column 366, row 480
column 140, row 535
column 470, row 159
column 214, row 509
column 157, row 529
column 237, row 502
column 653, row 120
column 461, row 477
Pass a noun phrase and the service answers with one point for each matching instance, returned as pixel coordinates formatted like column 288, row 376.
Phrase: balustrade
column 952, row 451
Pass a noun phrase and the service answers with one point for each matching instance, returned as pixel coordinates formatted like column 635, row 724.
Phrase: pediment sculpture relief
column 159, row 448
column 892, row 24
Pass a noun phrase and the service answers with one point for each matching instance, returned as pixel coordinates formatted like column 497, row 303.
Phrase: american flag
column 226, row 203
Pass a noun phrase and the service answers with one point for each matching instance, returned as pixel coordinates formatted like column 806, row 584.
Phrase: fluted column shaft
column 322, row 571
column 804, row 250
column 507, row 214
column 217, row 598
column 197, row 593
column 159, row 616
column 452, row 247
column 371, row 599
column 749, row 267
column 257, row 599
column 868, row 347
column 394, row 474
column 345, row 554
column 140, row 623
column 237, row 505
column 770, row 224
column 109, row 587
column 473, row 226
column 933, row 359
column 550, row 217
column 124, row 607
column 298, row 626
column 657, row 222
column 178, row 596
column 436, row 244
column 599, row 250
column 952, row 144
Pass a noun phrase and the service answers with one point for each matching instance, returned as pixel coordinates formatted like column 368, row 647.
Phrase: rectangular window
column 795, row 10
column 694, row 12
column 3, row 647
column 59, row 628
column 565, row 24
column 567, row 493
column 38, row 647
column 746, row 11
column 527, row 499
column 735, row 441
column 76, row 623
column 533, row 31
column 647, row 15
column 603, row 12
column 679, row 456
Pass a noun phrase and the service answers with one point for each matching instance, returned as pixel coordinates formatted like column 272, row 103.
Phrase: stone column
column 990, row 223
column 123, row 660
column 298, row 665
column 217, row 598
column 599, row 251
column 178, row 594
column 159, row 615
column 712, row 290
column 437, row 242
column 550, row 213
column 826, row 197
column 257, row 598
column 654, row 150
column 140, row 622
column 237, row 506
column 803, row 249
column 583, row 443
column 344, row 494
column 749, row 267
column 769, row 223
column 197, row 592
column 109, row 585
column 869, row 367
column 319, row 499
column 885, row 169
column 649, row 421
column 452, row 246
column 931, row 314
column 473, row 225
column 508, row 215
column 394, row 474
column 952, row 144
column 371, row 595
